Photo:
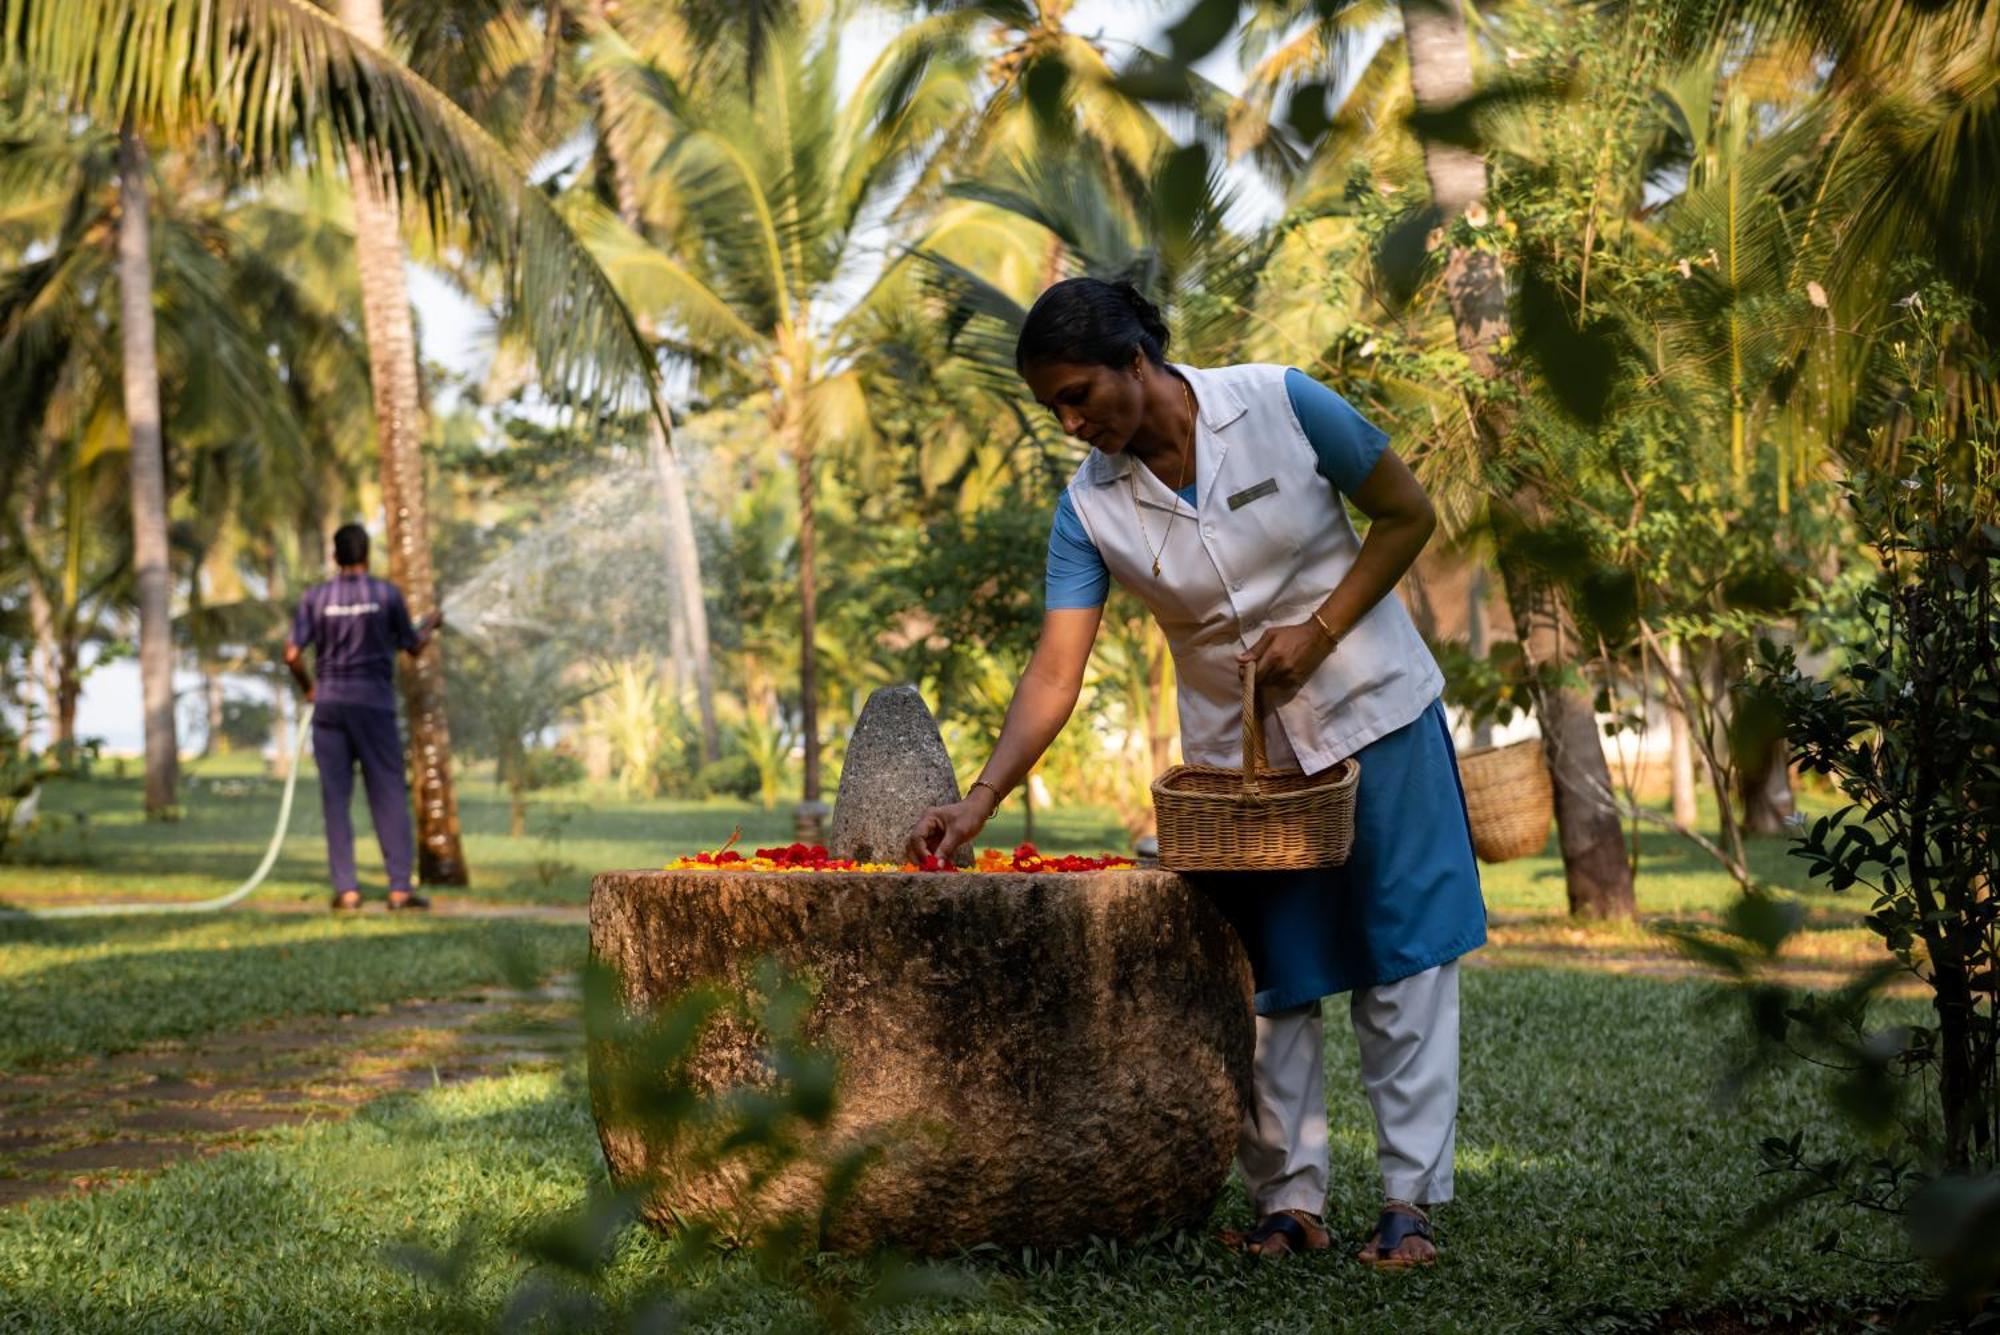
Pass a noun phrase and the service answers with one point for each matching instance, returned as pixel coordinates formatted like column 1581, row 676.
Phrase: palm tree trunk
column 1680, row 751
column 69, row 690
column 690, row 618
column 392, row 372
column 808, row 617
column 1478, row 642
column 44, row 652
column 149, row 477
column 1764, row 790
column 1598, row 877
column 213, row 743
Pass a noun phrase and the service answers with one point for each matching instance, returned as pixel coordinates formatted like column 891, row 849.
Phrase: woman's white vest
column 1268, row 543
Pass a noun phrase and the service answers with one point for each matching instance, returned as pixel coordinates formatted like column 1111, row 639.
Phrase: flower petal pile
column 1027, row 858
column 789, row 857
column 814, row 857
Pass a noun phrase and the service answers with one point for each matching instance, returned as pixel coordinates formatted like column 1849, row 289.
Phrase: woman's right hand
column 942, row 831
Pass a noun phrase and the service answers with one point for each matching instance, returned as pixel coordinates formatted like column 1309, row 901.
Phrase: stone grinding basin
column 1047, row 1058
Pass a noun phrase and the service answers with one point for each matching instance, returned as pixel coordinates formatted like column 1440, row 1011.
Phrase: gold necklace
column 1187, row 462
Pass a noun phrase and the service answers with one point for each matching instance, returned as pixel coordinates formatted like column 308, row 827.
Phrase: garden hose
column 220, row 902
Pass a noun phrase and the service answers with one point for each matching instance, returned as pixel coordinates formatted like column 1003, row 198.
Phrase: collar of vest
column 1215, row 399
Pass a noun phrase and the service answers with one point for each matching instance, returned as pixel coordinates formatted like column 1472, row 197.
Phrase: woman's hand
column 1287, row 655
column 942, row 831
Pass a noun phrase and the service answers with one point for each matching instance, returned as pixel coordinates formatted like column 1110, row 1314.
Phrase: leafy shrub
column 550, row 767
column 246, row 724
column 1909, row 731
column 732, row 776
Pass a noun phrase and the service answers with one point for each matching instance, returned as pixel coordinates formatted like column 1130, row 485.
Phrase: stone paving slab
column 110, row 1156
column 203, row 1121
column 20, row 1190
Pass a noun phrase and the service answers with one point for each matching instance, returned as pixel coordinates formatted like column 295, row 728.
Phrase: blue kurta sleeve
column 1348, row 444
column 1077, row 576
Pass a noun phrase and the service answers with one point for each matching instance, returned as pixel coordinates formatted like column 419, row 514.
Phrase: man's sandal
column 1402, row 1241
column 347, row 901
column 406, row 899
column 1283, row 1233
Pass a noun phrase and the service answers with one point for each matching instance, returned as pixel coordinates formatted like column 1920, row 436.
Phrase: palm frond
column 651, row 280
column 285, row 83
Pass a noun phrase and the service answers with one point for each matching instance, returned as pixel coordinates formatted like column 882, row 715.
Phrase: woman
column 1216, row 496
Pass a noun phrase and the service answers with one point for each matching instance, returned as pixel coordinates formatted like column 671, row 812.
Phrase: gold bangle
column 1332, row 640
column 998, row 796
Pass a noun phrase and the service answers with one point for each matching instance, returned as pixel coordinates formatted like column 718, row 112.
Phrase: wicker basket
column 1508, row 800
column 1254, row 819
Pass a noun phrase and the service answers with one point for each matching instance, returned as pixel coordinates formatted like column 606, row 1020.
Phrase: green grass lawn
column 1597, row 1169
column 1597, row 1173
column 69, row 990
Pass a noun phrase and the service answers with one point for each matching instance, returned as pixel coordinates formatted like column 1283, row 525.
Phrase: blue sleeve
column 1348, row 444
column 302, row 621
column 1077, row 577
column 400, row 629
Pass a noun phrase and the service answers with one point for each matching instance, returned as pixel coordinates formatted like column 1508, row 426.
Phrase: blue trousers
column 343, row 734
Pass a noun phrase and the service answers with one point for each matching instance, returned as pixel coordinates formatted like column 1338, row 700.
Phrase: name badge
column 1242, row 498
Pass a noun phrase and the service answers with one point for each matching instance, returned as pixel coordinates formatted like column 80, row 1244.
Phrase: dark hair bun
column 1148, row 314
column 1090, row 322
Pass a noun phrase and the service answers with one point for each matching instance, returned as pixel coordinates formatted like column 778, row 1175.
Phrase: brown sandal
column 1282, row 1233
column 347, row 901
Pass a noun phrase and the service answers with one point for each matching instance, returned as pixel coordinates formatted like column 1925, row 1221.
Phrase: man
column 356, row 623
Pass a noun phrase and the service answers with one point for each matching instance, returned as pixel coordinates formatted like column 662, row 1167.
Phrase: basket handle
column 1253, row 733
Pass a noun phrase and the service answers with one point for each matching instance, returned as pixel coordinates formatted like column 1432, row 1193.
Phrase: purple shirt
column 355, row 623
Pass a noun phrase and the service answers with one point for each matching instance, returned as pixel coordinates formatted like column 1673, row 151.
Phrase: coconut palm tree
column 627, row 142
column 1303, row 48
column 149, row 474
column 524, row 73
column 1910, row 108
column 399, row 417
column 193, row 354
column 770, row 212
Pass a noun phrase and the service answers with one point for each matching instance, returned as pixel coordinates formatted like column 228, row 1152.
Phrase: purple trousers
column 342, row 735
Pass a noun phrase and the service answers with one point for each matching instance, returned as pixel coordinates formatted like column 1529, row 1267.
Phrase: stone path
column 100, row 1121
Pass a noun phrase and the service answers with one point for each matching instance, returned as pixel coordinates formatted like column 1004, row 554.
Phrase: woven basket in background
column 1508, row 800
column 1253, row 818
